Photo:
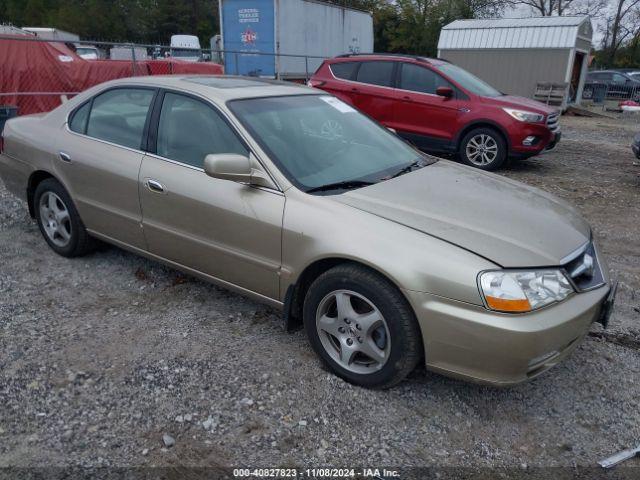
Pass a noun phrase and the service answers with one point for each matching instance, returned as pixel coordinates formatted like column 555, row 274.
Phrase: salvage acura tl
column 282, row 192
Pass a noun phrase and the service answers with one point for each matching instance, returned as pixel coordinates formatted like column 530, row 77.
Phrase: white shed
column 515, row 54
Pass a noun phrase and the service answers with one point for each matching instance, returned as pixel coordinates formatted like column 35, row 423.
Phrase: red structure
column 35, row 76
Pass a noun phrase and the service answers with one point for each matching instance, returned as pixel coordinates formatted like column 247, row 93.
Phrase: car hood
column 514, row 101
column 504, row 221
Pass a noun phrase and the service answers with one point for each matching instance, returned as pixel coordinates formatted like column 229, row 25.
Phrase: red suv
column 440, row 107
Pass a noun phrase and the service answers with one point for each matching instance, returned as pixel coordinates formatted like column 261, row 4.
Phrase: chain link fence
column 37, row 75
column 610, row 94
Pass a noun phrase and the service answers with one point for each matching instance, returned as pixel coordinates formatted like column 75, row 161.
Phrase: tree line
column 400, row 26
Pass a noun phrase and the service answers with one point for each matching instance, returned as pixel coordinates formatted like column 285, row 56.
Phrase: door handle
column 354, row 89
column 406, row 97
column 155, row 186
column 65, row 157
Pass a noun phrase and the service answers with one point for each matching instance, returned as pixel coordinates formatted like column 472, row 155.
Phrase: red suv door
column 427, row 119
column 373, row 92
column 341, row 89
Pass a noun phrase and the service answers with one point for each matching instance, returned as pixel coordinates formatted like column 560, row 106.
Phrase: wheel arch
column 34, row 180
column 482, row 123
column 296, row 292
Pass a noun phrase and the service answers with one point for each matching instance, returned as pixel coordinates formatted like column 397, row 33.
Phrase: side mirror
column 446, row 92
column 236, row 168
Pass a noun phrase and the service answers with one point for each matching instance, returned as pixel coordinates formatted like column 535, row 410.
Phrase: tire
column 59, row 221
column 489, row 147
column 380, row 321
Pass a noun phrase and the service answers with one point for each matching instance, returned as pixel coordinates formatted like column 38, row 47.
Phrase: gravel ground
column 113, row 360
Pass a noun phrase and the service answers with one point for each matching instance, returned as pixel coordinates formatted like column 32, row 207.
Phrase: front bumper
column 520, row 135
column 556, row 139
column 470, row 342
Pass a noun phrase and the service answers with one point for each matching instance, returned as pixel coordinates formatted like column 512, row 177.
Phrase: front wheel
column 483, row 148
column 362, row 327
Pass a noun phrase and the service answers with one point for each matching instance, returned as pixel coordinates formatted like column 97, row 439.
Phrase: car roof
column 388, row 56
column 220, row 87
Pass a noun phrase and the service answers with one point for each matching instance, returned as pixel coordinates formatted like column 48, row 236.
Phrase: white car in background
column 88, row 52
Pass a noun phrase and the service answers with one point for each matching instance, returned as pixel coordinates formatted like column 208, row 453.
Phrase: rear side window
column 344, row 70
column 189, row 130
column 376, row 73
column 78, row 121
column 421, row 79
column 119, row 115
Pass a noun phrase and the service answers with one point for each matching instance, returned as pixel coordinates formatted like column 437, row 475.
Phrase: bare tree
column 622, row 26
column 549, row 8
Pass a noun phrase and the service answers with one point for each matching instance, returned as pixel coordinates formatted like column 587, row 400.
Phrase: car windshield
column 468, row 81
column 86, row 51
column 319, row 142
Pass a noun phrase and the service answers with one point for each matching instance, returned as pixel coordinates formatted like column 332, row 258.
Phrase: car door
column 373, row 92
column 224, row 229
column 620, row 85
column 99, row 158
column 429, row 120
column 342, row 85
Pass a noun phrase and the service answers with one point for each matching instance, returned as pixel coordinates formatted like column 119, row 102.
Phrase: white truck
column 49, row 33
column 186, row 47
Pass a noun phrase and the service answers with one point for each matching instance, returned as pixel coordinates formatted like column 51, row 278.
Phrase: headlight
column 524, row 116
column 523, row 291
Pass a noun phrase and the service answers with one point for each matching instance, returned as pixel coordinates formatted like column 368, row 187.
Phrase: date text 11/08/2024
column 318, row 473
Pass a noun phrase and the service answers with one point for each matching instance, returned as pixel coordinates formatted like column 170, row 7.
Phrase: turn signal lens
column 508, row 305
column 523, row 291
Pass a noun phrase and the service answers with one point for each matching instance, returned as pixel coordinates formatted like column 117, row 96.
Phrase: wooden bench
column 551, row 93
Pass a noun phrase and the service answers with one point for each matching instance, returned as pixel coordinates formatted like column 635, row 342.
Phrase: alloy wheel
column 353, row 331
column 55, row 219
column 482, row 149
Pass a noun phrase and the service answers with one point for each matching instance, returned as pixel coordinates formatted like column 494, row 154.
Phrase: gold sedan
column 282, row 192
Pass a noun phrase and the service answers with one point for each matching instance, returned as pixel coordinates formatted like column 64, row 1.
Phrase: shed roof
column 537, row 32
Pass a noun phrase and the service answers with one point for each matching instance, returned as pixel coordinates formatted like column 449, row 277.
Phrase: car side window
column 119, row 115
column 376, row 73
column 420, row 79
column 344, row 70
column 189, row 130
column 79, row 118
column 617, row 78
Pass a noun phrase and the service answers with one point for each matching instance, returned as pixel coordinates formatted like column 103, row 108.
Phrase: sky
column 522, row 11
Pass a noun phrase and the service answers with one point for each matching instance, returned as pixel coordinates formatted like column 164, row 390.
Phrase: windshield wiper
column 344, row 185
column 408, row 168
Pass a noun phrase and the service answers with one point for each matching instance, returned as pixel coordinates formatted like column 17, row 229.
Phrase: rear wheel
column 59, row 221
column 483, row 148
column 362, row 327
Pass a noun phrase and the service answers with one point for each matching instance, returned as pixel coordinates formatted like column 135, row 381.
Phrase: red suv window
column 420, row 79
column 376, row 73
column 344, row 70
